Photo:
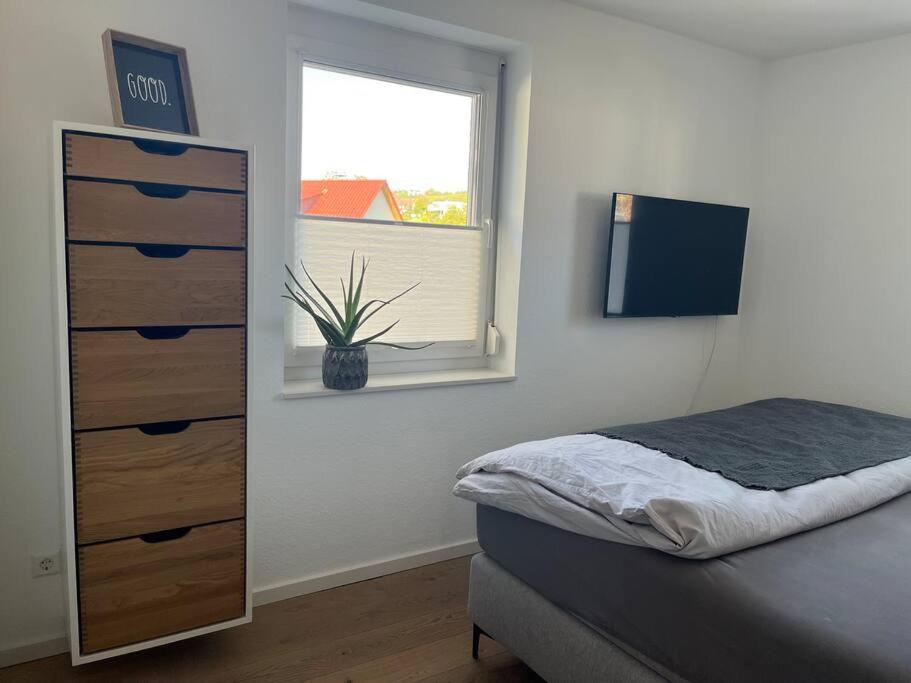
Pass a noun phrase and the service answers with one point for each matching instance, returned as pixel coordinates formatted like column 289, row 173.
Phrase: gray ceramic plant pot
column 345, row 367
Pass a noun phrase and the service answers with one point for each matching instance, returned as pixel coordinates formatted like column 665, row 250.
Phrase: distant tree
column 415, row 209
column 455, row 215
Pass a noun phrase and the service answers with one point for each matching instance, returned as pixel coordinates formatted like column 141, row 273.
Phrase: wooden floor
column 410, row 626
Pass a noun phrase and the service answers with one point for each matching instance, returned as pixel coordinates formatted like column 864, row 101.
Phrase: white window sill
column 310, row 388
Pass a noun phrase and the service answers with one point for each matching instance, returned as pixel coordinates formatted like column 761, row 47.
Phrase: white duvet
column 623, row 492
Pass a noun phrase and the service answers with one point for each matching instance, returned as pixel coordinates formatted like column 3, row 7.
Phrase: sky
column 412, row 137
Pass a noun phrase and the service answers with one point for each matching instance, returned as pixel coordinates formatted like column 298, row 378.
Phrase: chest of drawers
column 151, row 243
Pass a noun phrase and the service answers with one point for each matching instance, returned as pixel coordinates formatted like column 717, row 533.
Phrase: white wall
column 345, row 481
column 614, row 106
column 828, row 281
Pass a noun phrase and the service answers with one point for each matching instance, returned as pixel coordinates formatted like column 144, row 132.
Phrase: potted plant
column 345, row 359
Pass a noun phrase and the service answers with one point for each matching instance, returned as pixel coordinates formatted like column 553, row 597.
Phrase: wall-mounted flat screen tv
column 668, row 257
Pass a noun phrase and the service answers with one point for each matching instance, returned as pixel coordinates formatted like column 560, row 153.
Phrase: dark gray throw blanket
column 778, row 443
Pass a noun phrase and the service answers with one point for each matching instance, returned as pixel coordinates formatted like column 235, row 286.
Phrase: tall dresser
column 152, row 291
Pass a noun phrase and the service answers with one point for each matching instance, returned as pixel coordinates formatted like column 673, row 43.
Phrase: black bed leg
column 476, row 633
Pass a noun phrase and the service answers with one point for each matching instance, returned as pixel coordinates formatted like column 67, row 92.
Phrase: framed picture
column 149, row 83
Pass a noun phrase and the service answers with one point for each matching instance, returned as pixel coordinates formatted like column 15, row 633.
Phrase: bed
column 827, row 602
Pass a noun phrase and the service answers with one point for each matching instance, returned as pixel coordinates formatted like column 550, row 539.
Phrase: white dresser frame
column 63, row 391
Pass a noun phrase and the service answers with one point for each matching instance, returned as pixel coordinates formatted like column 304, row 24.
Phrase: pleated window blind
column 446, row 261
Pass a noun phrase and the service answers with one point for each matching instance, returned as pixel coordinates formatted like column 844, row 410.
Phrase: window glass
column 383, row 150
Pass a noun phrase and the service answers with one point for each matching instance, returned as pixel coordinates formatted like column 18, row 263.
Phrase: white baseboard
column 38, row 650
column 362, row 572
column 281, row 591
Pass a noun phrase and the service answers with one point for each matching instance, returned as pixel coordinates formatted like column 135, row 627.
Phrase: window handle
column 492, row 341
column 488, row 228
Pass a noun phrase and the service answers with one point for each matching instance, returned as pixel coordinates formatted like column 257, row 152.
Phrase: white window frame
column 412, row 68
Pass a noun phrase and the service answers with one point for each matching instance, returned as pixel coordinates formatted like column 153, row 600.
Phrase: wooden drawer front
column 132, row 590
column 154, row 161
column 123, row 378
column 114, row 212
column 122, row 287
column 131, row 481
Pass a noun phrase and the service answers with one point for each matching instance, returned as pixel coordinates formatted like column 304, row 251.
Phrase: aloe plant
column 338, row 327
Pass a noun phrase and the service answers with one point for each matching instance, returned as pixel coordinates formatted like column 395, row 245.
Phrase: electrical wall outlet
column 45, row 565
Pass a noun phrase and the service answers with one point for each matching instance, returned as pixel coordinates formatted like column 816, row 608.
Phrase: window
column 397, row 166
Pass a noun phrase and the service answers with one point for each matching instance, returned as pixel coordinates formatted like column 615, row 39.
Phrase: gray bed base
column 557, row 645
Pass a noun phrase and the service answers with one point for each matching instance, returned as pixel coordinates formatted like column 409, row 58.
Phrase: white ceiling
column 768, row 28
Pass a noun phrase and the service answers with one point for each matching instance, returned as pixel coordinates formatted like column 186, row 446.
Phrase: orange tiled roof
column 344, row 198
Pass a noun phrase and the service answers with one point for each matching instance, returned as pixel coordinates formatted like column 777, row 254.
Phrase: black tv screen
column 668, row 257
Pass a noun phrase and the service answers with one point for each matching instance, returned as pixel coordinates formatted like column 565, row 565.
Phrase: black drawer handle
column 163, row 332
column 167, row 535
column 168, row 149
column 162, row 250
column 159, row 428
column 160, row 191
